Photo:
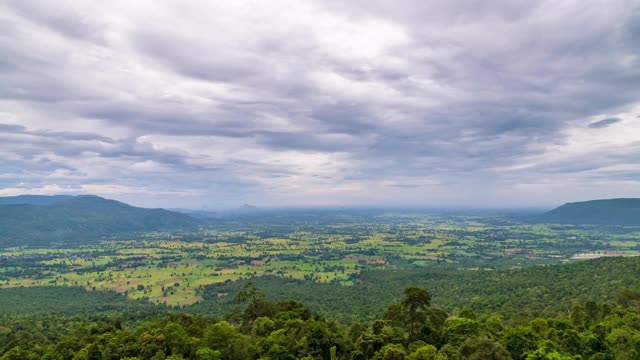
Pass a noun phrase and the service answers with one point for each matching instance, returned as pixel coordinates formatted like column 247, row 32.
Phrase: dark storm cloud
column 604, row 123
column 172, row 119
column 350, row 119
column 632, row 30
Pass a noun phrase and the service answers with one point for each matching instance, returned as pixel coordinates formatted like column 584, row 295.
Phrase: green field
column 334, row 248
column 306, row 285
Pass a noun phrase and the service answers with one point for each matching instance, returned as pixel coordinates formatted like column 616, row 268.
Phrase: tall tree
column 416, row 301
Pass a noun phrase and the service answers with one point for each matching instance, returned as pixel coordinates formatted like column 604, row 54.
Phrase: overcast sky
column 321, row 103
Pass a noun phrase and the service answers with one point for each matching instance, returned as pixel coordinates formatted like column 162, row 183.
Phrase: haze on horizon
column 321, row 103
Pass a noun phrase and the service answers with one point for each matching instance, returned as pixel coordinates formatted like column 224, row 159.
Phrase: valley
column 335, row 247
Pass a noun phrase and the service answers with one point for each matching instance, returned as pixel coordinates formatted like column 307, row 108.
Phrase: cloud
column 604, row 123
column 321, row 102
column 68, row 18
column 11, row 128
column 103, row 190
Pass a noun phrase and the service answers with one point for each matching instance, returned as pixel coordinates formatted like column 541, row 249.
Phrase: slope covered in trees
column 624, row 212
column 413, row 328
column 58, row 300
column 34, row 220
column 532, row 291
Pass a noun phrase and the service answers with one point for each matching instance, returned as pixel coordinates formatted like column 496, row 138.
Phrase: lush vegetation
column 258, row 328
column 356, row 250
column 517, row 293
column 339, row 284
column 58, row 300
column 514, row 293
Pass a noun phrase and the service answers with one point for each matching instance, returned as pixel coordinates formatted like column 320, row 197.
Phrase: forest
column 258, row 328
column 329, row 285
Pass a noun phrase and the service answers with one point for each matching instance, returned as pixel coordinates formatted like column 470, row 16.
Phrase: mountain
column 198, row 214
column 45, row 220
column 34, row 199
column 599, row 212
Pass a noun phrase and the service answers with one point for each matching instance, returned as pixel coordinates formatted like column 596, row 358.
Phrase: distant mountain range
column 65, row 219
column 45, row 220
column 624, row 212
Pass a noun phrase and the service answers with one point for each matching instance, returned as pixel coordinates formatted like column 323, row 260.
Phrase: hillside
column 599, row 212
column 44, row 220
column 34, row 199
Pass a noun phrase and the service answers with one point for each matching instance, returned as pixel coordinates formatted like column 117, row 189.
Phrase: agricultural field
column 174, row 268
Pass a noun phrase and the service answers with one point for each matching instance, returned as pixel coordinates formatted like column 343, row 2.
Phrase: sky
column 321, row 103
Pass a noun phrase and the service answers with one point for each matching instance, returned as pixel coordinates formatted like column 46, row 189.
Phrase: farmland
column 331, row 247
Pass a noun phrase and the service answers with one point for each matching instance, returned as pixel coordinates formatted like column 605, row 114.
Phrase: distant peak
column 621, row 211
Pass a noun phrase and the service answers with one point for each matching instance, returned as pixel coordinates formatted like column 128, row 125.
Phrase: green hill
column 34, row 199
column 624, row 212
column 43, row 220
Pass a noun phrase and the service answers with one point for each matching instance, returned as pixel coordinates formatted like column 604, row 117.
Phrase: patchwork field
column 173, row 268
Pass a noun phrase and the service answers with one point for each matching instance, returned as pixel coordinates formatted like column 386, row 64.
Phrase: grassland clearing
column 173, row 268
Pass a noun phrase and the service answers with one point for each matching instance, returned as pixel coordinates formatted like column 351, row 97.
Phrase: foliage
column 261, row 329
column 68, row 301
column 533, row 291
column 344, row 285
